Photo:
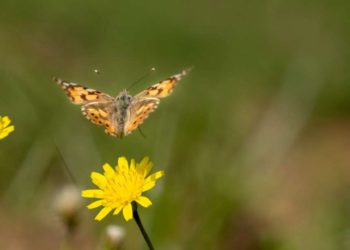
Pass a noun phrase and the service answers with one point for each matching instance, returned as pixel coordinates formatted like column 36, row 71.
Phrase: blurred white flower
column 114, row 236
column 67, row 204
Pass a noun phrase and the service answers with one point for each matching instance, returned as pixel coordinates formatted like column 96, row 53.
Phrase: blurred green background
column 254, row 141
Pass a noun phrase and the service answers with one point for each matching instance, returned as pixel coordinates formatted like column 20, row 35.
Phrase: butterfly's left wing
column 102, row 114
column 147, row 101
column 79, row 94
column 96, row 106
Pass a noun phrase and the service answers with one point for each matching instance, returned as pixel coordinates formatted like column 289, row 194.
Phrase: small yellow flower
column 119, row 187
column 5, row 129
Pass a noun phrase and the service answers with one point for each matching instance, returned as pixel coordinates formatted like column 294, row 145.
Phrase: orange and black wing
column 147, row 100
column 101, row 114
column 163, row 88
column 139, row 111
column 97, row 106
column 79, row 94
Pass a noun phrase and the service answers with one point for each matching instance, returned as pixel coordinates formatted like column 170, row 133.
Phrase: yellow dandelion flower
column 119, row 187
column 5, row 129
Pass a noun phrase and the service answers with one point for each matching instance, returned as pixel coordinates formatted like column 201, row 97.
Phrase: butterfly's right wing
column 147, row 100
column 97, row 106
column 139, row 111
column 163, row 88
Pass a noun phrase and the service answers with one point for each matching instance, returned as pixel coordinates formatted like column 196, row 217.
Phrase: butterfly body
column 122, row 114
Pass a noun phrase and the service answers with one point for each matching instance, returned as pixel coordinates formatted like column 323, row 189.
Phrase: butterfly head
column 123, row 100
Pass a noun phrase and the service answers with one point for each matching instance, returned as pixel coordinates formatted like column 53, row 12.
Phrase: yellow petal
column 95, row 204
column 132, row 165
column 4, row 132
column 117, row 210
column 155, row 176
column 98, row 179
column 109, row 171
column 127, row 212
column 5, row 121
column 145, row 166
column 10, row 128
column 151, row 180
column 123, row 165
column 148, row 185
column 92, row 193
column 144, row 161
column 148, row 168
column 103, row 213
column 144, row 201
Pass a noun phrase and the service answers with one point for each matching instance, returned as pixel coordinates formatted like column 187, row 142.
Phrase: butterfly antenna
column 141, row 78
column 143, row 135
column 65, row 166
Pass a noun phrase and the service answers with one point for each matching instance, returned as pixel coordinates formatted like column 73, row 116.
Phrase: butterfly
column 122, row 114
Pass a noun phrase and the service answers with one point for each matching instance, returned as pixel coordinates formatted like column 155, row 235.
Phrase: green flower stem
column 139, row 224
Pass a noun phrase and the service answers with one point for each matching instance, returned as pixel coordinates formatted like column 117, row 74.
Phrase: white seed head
column 67, row 201
column 115, row 236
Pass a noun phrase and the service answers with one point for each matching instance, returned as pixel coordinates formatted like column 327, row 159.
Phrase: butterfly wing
column 163, row 88
column 101, row 114
column 79, row 94
column 97, row 107
column 147, row 101
column 139, row 111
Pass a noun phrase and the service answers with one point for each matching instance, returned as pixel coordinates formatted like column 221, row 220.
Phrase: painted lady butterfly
column 122, row 114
